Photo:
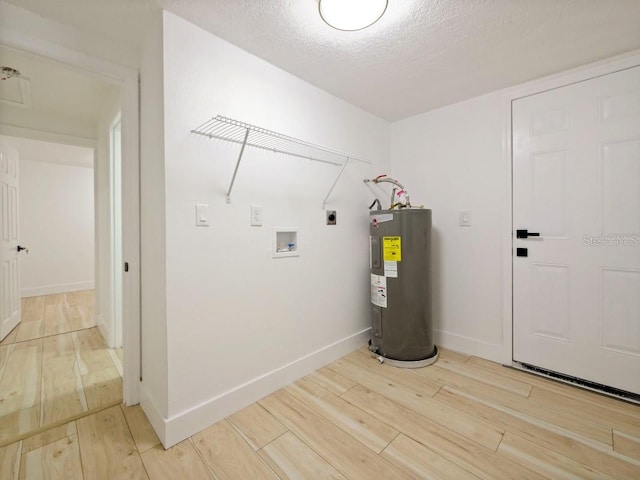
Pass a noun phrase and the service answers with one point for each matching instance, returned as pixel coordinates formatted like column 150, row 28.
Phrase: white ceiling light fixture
column 351, row 15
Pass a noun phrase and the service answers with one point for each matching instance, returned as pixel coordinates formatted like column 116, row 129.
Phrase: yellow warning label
column 392, row 247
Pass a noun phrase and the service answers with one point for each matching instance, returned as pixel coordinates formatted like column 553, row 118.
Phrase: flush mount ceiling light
column 351, row 15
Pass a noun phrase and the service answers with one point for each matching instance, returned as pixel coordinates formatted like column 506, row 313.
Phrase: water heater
column 401, row 322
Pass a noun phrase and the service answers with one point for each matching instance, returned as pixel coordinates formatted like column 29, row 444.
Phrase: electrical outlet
column 256, row 215
column 332, row 217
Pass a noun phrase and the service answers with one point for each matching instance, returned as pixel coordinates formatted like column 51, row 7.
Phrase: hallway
column 55, row 366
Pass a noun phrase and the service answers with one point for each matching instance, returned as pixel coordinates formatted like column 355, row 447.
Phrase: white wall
column 56, row 224
column 458, row 158
column 239, row 323
column 452, row 159
column 27, row 119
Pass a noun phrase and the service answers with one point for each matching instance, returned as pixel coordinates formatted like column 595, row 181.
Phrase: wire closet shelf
column 248, row 135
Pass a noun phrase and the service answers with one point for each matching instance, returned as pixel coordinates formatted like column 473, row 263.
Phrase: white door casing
column 576, row 181
column 9, row 261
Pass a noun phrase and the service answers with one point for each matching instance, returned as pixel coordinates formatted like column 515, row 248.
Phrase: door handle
column 20, row 248
column 526, row 234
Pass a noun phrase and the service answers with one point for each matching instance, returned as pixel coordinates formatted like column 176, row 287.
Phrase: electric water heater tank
column 401, row 321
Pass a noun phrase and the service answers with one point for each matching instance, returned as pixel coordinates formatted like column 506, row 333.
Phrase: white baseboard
column 472, row 346
column 52, row 289
column 185, row 424
column 157, row 421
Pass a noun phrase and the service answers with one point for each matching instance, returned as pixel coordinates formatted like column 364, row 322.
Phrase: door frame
column 580, row 74
column 115, row 218
column 128, row 79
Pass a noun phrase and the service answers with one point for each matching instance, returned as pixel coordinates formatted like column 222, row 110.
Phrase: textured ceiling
column 421, row 55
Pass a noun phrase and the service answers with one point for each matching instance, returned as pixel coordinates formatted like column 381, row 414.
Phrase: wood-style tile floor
column 54, row 366
column 462, row 418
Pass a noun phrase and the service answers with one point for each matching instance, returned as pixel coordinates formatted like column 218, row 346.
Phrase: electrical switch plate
column 256, row 215
column 465, row 218
column 202, row 215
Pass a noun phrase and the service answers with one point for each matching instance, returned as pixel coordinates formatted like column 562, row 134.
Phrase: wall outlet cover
column 256, row 215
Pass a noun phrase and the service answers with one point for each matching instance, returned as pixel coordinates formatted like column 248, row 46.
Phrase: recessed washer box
column 286, row 242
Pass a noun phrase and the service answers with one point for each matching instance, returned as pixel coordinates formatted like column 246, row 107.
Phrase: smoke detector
column 8, row 72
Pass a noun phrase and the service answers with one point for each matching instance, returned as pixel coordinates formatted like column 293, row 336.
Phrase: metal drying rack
column 247, row 135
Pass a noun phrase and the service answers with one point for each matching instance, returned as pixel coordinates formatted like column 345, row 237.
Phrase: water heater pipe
column 375, row 202
column 385, row 179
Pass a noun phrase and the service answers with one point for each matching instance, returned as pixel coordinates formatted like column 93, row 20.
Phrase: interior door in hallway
column 576, row 183
column 9, row 267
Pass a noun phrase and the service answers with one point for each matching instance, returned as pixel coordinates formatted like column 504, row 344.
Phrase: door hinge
column 126, row 266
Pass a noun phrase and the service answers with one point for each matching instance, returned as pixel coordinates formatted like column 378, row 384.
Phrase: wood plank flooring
column 461, row 418
column 55, row 366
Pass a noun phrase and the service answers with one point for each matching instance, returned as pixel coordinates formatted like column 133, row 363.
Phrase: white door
column 576, row 182
column 9, row 268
